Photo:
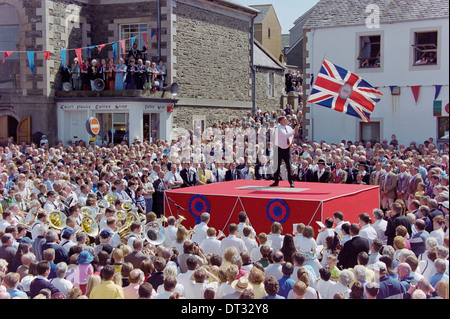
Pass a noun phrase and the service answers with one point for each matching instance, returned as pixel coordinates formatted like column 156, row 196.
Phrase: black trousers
column 284, row 154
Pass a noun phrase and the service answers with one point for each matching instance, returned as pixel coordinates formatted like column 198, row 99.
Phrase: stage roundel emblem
column 277, row 210
column 198, row 204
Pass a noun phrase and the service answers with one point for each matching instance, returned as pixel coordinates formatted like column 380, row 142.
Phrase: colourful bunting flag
column 122, row 44
column 30, row 55
column 47, row 55
column 78, row 54
column 63, row 54
column 7, row 54
column 415, row 90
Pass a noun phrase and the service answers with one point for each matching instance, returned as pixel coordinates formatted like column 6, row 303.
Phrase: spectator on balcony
column 93, row 73
column 120, row 71
column 161, row 73
column 75, row 73
column 131, row 75
column 85, row 82
column 153, row 76
column 110, row 74
column 140, row 75
column 133, row 53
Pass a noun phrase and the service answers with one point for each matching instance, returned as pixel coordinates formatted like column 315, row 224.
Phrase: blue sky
column 287, row 10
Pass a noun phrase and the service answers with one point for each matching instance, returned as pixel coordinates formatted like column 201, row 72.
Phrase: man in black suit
column 305, row 173
column 348, row 257
column 41, row 281
column 188, row 175
column 322, row 175
column 232, row 174
column 396, row 217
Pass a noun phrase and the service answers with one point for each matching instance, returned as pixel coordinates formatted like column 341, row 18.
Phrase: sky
column 287, row 10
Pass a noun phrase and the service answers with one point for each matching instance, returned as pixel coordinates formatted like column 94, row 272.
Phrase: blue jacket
column 390, row 288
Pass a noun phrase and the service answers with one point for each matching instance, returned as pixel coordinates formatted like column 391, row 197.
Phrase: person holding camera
column 191, row 249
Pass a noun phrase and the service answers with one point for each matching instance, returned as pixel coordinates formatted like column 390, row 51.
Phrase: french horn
column 89, row 226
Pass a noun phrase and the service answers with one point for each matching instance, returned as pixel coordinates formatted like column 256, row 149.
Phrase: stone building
column 206, row 46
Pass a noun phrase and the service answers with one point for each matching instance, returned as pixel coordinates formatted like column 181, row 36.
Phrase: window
column 9, row 41
column 425, row 47
column 268, row 33
column 271, row 84
column 370, row 132
column 128, row 31
column 370, row 51
column 442, row 126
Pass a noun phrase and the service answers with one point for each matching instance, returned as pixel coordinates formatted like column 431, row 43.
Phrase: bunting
column 122, row 45
column 78, row 54
column 114, row 48
column 144, row 36
column 100, row 47
column 415, row 91
column 47, row 55
column 438, row 90
column 7, row 54
column 63, row 54
column 30, row 55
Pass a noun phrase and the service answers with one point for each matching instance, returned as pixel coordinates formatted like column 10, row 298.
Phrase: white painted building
column 337, row 31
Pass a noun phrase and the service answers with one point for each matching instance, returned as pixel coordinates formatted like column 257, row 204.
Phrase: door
column 370, row 132
column 3, row 130
column 24, row 130
column 8, row 128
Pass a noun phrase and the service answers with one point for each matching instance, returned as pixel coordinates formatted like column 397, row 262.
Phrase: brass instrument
column 57, row 219
column 154, row 233
column 89, row 226
column 127, row 206
column 162, row 220
column 110, row 198
column 179, row 221
column 103, row 204
column 120, row 215
column 190, row 232
column 88, row 211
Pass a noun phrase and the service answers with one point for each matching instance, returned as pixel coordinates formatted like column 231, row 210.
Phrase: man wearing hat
column 105, row 237
column 390, row 287
column 322, row 175
column 284, row 135
column 239, row 286
column 67, row 238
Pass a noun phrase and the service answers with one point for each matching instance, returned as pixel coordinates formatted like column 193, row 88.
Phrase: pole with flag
column 344, row 91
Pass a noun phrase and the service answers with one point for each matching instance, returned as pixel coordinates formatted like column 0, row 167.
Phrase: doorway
column 20, row 131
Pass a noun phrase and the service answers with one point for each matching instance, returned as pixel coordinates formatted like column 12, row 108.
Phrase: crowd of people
column 134, row 73
column 134, row 250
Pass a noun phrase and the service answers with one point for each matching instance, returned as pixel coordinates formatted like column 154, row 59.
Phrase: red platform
column 305, row 203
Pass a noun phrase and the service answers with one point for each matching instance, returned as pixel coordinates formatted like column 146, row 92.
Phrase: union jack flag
column 344, row 91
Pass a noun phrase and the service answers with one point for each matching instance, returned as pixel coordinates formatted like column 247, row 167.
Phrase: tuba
column 154, row 233
column 57, row 219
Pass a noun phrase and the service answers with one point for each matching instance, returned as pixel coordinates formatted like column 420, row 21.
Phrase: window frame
column 358, row 51
column 412, row 56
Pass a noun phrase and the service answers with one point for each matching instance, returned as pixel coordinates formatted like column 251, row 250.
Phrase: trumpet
column 190, row 232
column 162, row 220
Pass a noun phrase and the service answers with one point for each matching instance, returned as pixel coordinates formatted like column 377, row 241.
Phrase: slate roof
column 333, row 13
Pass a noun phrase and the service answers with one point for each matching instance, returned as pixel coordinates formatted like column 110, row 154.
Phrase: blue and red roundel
column 277, row 210
column 198, row 204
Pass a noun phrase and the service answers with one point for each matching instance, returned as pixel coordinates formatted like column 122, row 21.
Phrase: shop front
column 120, row 121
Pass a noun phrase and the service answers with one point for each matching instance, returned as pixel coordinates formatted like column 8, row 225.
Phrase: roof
column 263, row 58
column 333, row 13
column 263, row 11
column 236, row 5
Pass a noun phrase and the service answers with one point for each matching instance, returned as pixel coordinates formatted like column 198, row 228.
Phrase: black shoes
column 274, row 184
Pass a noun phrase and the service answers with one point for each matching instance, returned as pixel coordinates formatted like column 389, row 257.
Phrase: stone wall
column 263, row 101
column 212, row 54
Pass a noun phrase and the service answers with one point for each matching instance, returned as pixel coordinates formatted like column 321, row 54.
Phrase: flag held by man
column 344, row 91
